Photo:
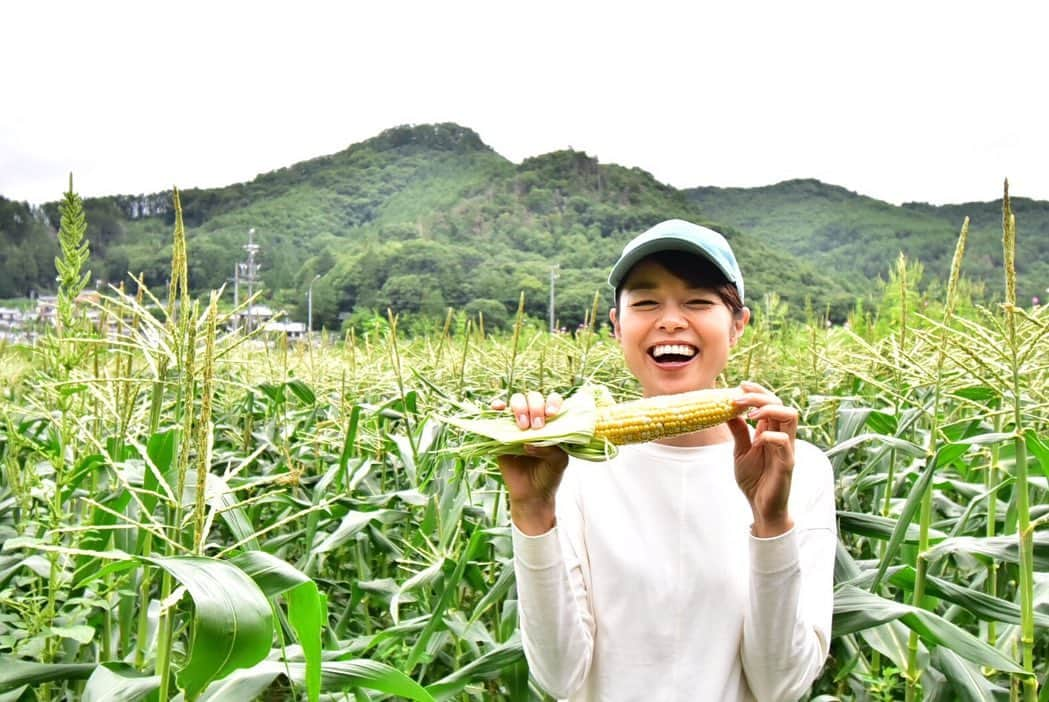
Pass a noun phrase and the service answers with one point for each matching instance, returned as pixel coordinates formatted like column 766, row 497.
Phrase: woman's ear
column 615, row 322
column 739, row 321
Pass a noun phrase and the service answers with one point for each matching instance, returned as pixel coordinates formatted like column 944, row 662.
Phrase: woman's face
column 674, row 337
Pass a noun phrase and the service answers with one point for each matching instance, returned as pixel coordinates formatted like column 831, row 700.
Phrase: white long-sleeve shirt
column 651, row 586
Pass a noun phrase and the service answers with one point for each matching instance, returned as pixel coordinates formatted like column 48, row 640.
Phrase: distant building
column 47, row 306
column 47, row 311
column 293, row 330
column 11, row 324
column 25, row 325
column 9, row 317
column 253, row 317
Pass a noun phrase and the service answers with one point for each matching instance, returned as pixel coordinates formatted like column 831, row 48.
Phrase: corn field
column 189, row 513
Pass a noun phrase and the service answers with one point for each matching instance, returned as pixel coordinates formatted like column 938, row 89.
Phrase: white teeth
column 673, row 349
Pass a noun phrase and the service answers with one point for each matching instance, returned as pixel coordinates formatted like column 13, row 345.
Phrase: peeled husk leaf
column 572, row 429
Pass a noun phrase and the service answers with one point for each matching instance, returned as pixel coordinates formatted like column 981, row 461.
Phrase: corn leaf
column 966, row 679
column 427, row 575
column 243, row 684
column 162, row 453
column 302, row 391
column 223, row 500
column 306, row 607
column 451, row 585
column 489, row 665
column 336, row 676
column 1001, row 548
column 890, row 638
column 81, row 633
column 1039, row 449
column 119, row 682
column 14, row 694
column 905, row 447
column 352, row 523
column 96, row 539
column 979, row 604
column 856, row 609
column 947, row 454
column 15, row 673
column 878, row 527
column 495, row 593
column 232, row 619
column 343, row 675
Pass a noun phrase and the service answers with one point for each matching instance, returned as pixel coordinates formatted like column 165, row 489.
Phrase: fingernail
column 753, row 412
column 537, row 422
column 522, row 419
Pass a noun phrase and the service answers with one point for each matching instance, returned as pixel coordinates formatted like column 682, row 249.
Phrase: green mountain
column 28, row 247
column 420, row 218
column 859, row 236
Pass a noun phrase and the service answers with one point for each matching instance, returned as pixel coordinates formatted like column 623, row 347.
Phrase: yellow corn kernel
column 652, row 418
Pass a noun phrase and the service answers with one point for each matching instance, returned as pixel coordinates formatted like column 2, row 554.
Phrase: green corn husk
column 572, row 429
column 590, row 425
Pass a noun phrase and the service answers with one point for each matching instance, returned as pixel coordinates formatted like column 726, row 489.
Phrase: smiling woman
column 676, row 328
column 664, row 575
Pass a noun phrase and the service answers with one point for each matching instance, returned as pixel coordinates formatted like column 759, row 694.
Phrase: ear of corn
column 591, row 430
column 652, row 418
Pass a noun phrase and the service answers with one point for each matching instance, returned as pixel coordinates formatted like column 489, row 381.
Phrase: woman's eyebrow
column 643, row 285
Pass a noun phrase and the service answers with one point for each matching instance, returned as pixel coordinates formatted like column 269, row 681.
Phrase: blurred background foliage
column 421, row 218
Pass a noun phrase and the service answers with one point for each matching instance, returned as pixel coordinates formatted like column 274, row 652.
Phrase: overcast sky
column 903, row 101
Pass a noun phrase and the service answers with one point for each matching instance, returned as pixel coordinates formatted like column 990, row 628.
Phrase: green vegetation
column 189, row 512
column 420, row 219
column 27, row 250
column 839, row 230
column 428, row 217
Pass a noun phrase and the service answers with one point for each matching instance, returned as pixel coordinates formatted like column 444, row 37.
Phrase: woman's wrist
column 533, row 517
column 771, row 527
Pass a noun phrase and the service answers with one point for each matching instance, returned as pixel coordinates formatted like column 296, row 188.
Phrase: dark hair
column 695, row 271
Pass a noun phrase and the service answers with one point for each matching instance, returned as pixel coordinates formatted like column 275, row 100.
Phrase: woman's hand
column 764, row 463
column 532, row 480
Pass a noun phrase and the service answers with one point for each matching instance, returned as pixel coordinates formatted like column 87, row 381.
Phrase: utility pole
column 248, row 271
column 309, row 307
column 553, row 277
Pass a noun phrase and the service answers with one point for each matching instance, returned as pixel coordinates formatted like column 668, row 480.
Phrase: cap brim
column 669, row 243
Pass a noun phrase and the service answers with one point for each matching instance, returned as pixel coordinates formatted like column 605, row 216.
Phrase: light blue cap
column 679, row 235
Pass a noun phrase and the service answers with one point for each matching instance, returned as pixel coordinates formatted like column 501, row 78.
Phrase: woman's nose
column 672, row 319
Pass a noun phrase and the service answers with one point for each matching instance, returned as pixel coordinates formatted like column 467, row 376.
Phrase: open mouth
column 671, row 354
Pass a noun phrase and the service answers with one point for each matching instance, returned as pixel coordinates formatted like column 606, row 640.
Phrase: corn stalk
column 1025, row 533
column 925, row 517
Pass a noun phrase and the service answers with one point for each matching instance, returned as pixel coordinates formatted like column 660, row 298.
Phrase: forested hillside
column 27, row 250
column 840, row 230
column 425, row 217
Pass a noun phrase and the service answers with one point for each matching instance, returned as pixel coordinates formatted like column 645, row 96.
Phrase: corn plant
column 966, row 388
column 189, row 513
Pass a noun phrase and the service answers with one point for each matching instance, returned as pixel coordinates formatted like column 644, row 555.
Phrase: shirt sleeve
column 556, row 619
column 786, row 631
